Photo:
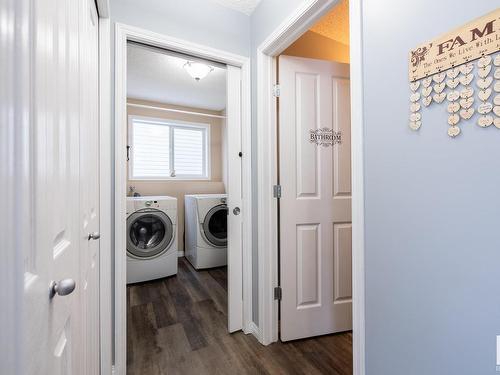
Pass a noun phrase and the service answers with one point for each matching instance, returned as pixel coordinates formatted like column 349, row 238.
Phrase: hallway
column 179, row 324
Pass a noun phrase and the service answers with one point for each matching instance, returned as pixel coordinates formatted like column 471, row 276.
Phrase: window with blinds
column 162, row 150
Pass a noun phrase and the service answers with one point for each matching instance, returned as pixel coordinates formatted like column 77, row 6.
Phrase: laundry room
column 177, row 212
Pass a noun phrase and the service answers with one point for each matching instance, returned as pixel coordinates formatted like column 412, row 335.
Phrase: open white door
column 315, row 206
column 234, row 202
column 59, row 327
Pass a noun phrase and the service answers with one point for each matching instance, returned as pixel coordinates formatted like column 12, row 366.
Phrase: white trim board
column 285, row 34
column 105, row 186
column 124, row 33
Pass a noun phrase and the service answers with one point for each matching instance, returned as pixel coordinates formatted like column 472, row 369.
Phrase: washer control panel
column 153, row 204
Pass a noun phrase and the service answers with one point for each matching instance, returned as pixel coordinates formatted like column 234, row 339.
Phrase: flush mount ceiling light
column 197, row 70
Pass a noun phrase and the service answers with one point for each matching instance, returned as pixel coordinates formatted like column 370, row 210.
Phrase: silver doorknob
column 94, row 236
column 62, row 288
column 236, row 210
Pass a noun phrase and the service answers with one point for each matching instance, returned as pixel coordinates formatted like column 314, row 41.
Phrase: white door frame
column 285, row 34
column 105, row 186
column 124, row 33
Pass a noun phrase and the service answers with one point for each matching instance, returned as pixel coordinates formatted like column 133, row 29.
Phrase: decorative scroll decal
column 325, row 137
column 473, row 40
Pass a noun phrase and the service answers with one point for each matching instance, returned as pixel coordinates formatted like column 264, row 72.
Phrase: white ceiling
column 244, row 6
column 157, row 76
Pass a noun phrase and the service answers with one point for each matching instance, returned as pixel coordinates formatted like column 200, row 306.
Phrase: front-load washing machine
column 206, row 230
column 151, row 238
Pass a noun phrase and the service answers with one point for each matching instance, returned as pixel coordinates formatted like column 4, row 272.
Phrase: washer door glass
column 215, row 225
column 149, row 232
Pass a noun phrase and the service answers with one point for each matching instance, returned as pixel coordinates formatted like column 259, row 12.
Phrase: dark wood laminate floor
column 178, row 325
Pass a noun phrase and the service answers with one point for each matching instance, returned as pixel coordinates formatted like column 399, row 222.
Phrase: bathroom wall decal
column 453, row 68
column 325, row 137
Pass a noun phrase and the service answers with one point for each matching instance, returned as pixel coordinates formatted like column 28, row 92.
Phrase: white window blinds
column 168, row 150
column 189, row 150
column 150, row 150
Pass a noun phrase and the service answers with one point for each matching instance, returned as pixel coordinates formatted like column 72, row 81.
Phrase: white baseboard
column 180, row 253
column 254, row 330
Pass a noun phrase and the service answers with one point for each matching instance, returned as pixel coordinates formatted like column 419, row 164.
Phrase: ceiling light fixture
column 197, row 70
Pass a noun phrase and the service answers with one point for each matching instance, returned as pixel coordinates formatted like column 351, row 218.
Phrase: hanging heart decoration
column 427, row 101
column 496, row 101
column 452, row 73
column 452, row 83
column 426, row 82
column 439, row 98
column 453, row 95
column 439, row 87
column 484, row 94
column 414, row 107
column 485, row 108
column 426, row 91
column 485, row 121
column 484, row 72
column 453, row 107
column 467, row 92
column 465, row 69
column 484, row 61
column 497, row 73
column 466, row 102
column 414, row 85
column 453, row 131
column 439, row 77
column 466, row 80
column 466, row 113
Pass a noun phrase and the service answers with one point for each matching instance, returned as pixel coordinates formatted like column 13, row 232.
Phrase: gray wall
column 432, row 209
column 264, row 20
column 198, row 21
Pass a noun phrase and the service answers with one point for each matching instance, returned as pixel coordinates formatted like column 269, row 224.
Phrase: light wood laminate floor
column 178, row 325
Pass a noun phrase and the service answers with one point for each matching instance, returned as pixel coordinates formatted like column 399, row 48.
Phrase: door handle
column 61, row 288
column 236, row 210
column 94, row 236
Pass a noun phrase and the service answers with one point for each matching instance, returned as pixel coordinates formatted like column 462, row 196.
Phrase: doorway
column 310, row 290
column 183, row 159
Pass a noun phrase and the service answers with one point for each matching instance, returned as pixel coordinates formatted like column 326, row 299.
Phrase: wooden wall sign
column 471, row 41
column 443, row 70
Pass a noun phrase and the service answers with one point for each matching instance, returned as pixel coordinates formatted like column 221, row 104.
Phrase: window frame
column 172, row 124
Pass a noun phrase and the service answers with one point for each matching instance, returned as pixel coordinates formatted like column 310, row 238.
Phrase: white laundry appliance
column 151, row 238
column 206, row 230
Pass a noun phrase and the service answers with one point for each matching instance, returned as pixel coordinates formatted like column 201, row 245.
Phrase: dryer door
column 149, row 233
column 215, row 225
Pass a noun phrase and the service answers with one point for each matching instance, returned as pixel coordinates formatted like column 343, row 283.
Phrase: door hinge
column 276, row 90
column 277, row 293
column 277, row 191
